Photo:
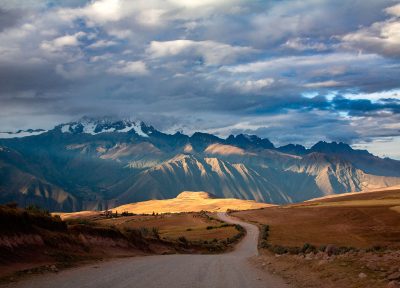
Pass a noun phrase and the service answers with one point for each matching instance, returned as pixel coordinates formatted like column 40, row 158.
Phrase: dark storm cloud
column 8, row 18
column 364, row 107
column 268, row 67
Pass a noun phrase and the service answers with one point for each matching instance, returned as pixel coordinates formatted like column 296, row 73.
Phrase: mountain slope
column 98, row 163
column 216, row 176
column 333, row 174
column 19, row 184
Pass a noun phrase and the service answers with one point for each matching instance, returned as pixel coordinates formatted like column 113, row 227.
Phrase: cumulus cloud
column 62, row 41
column 323, row 84
column 213, row 53
column 221, row 66
column 381, row 37
column 302, row 44
column 102, row 44
column 300, row 61
column 393, row 10
column 129, row 68
column 253, row 85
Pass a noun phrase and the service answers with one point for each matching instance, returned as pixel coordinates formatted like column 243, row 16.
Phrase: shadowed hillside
column 95, row 164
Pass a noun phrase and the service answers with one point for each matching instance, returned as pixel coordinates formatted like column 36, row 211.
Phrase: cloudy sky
column 292, row 71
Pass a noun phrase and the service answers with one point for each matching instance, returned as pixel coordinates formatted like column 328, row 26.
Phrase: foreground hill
column 94, row 164
column 342, row 241
column 361, row 220
column 186, row 201
column 368, row 197
column 190, row 202
column 33, row 241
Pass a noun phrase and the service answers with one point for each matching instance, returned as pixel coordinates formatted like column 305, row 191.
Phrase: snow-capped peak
column 105, row 125
column 21, row 133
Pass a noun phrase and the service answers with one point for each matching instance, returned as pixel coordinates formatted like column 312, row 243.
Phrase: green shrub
column 277, row 249
column 183, row 240
column 13, row 220
column 240, row 228
column 264, row 232
column 264, row 244
column 37, row 210
column 376, row 248
column 308, row 248
column 293, row 250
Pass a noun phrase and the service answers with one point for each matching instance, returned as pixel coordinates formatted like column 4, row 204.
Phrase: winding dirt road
column 173, row 271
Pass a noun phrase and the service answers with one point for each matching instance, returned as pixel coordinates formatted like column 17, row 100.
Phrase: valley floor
column 222, row 270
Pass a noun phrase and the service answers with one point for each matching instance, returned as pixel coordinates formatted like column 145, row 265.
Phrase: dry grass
column 371, row 194
column 395, row 208
column 193, row 226
column 361, row 221
column 77, row 215
column 185, row 202
column 189, row 202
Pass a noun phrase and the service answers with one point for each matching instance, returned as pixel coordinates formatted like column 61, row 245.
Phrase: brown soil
column 359, row 226
column 362, row 221
column 44, row 243
column 350, row 270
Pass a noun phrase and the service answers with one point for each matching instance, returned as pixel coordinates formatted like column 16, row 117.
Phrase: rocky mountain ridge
column 94, row 164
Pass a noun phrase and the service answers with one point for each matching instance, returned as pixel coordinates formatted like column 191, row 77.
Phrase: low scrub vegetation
column 16, row 220
column 82, row 235
column 264, row 234
column 214, row 245
column 74, row 236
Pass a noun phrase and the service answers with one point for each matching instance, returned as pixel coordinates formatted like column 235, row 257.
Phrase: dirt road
column 173, row 271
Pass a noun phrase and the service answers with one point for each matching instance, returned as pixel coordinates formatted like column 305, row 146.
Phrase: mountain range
column 102, row 163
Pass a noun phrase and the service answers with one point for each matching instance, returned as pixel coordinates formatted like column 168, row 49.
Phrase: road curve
column 171, row 271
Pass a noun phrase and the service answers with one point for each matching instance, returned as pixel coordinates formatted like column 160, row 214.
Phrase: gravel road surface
column 228, row 270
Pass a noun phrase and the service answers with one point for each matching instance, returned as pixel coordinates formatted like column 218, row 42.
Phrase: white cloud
column 383, row 147
column 104, row 10
column 253, row 85
column 130, row 68
column 303, row 44
column 102, row 44
column 381, row 37
column 393, row 10
column 150, row 17
column 375, row 96
column 323, row 84
column 103, row 57
column 147, row 13
column 195, row 4
column 300, row 61
column 61, row 42
column 214, row 53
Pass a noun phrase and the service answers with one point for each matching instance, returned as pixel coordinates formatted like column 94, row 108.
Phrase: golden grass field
column 186, row 201
column 173, row 218
column 193, row 226
column 369, row 222
column 190, row 202
column 359, row 220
